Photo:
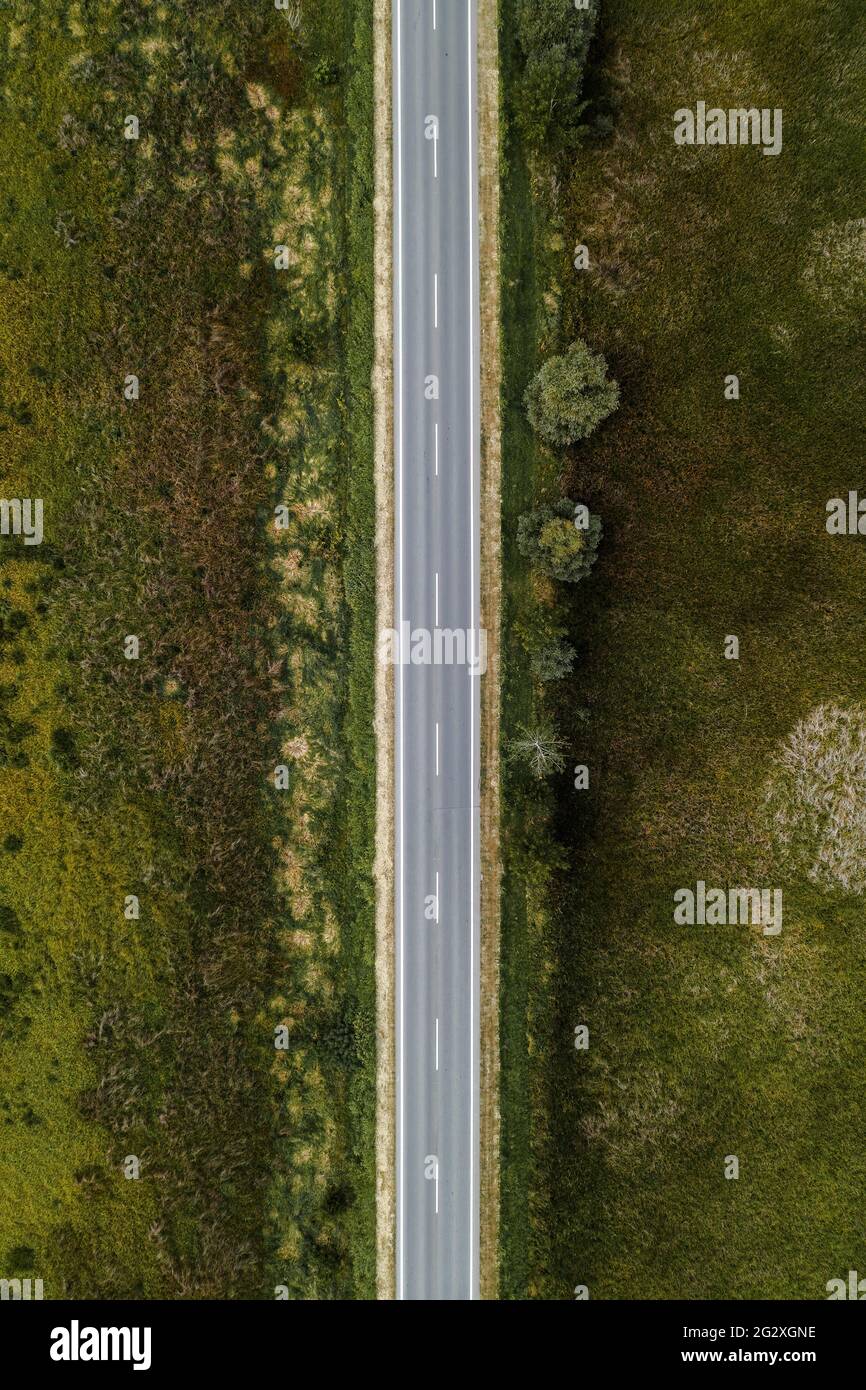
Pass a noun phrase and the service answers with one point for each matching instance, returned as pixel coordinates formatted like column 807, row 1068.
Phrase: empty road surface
column 436, row 430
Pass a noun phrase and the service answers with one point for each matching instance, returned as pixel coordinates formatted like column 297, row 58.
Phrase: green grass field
column 704, row 1041
column 153, row 1036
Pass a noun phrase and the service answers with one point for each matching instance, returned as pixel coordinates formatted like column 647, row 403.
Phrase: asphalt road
column 436, row 426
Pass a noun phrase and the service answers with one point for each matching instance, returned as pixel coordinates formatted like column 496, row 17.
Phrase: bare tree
column 541, row 747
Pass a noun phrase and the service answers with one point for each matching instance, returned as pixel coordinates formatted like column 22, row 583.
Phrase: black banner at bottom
column 81, row 1339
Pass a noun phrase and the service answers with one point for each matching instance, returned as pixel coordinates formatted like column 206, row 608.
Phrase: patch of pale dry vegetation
column 791, row 973
column 835, row 272
column 816, row 798
column 635, row 1119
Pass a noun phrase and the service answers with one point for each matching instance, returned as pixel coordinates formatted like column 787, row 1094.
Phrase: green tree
column 553, row 662
column 553, row 39
column 550, row 538
column 570, row 395
column 326, row 72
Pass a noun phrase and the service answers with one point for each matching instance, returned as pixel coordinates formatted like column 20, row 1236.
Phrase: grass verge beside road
column 704, row 1042
column 152, row 1035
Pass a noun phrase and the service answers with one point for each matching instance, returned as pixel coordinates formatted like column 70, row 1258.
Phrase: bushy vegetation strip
column 720, row 288
column 185, row 382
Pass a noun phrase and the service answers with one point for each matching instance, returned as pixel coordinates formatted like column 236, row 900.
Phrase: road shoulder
column 491, row 595
column 383, row 401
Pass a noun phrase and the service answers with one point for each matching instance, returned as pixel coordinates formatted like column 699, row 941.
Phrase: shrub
column 552, row 662
column 554, row 39
column 11, row 989
column 64, row 750
column 21, row 1259
column 549, row 538
column 9, row 920
column 12, row 622
column 570, row 395
column 326, row 72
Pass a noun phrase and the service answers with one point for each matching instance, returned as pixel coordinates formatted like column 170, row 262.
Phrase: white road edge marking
column 472, row 701
column 400, row 1137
